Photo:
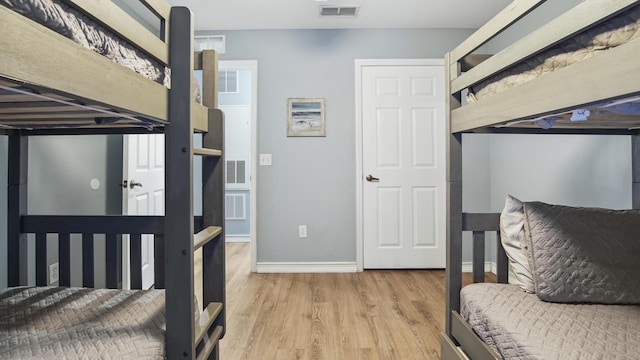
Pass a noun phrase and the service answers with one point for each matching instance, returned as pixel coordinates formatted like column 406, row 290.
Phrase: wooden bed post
column 454, row 208
column 18, row 160
column 454, row 230
column 179, row 192
column 635, row 168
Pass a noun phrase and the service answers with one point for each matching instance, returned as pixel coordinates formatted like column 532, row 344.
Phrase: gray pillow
column 584, row 255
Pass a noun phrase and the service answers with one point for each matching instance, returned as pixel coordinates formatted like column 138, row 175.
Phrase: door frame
column 360, row 64
column 253, row 66
column 253, row 188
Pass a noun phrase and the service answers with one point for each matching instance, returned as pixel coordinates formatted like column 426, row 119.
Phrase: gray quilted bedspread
column 518, row 325
column 77, row 323
column 617, row 31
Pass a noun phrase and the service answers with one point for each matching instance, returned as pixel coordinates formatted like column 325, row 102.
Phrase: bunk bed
column 84, row 67
column 541, row 84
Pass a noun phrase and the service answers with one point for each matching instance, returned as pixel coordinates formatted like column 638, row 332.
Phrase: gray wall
column 572, row 170
column 312, row 180
column 60, row 171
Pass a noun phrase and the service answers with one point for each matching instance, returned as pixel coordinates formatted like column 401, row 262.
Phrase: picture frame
column 306, row 117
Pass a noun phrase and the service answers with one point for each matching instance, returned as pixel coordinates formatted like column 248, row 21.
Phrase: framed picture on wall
column 306, row 117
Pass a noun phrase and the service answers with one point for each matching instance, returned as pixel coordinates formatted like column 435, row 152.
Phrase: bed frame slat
column 635, row 168
column 502, row 264
column 135, row 246
column 158, row 254
column 478, row 256
column 88, row 278
column 111, row 257
column 94, row 224
column 64, row 258
column 480, row 222
column 41, row 260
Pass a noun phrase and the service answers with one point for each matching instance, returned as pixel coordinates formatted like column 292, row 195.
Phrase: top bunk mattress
column 518, row 325
column 614, row 32
column 80, row 323
column 64, row 19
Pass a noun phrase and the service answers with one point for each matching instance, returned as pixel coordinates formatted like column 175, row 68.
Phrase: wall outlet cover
column 265, row 159
column 54, row 273
column 302, row 231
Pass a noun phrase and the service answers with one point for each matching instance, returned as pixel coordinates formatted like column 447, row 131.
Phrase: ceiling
column 304, row 14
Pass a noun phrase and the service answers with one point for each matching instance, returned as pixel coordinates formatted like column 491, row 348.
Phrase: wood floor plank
column 372, row 315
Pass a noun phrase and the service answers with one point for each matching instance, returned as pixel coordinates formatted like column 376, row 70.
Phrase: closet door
column 403, row 166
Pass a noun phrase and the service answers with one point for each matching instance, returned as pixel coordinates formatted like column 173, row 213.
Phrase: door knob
column 371, row 178
column 133, row 184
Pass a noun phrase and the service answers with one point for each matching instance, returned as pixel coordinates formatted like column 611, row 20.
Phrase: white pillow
column 513, row 242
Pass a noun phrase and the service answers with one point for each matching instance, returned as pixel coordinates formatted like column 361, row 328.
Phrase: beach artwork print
column 306, row 117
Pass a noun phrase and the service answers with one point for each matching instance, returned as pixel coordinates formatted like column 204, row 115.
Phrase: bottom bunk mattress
column 518, row 325
column 80, row 323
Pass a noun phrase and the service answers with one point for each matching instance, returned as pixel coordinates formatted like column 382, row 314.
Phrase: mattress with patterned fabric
column 64, row 19
column 614, row 32
column 518, row 325
column 81, row 323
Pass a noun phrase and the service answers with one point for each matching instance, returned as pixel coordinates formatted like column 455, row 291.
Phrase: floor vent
column 346, row 11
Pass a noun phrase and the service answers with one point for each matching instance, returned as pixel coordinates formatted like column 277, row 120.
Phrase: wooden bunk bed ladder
column 185, row 338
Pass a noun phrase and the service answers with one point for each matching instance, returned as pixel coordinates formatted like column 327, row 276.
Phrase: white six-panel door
column 403, row 166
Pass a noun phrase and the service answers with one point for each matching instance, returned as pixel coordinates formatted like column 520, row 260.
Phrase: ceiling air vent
column 347, row 11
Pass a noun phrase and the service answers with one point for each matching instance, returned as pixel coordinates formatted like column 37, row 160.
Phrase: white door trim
column 253, row 66
column 360, row 63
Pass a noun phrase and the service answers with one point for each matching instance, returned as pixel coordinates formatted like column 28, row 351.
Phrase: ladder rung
column 205, row 235
column 207, row 152
column 210, row 344
column 207, row 317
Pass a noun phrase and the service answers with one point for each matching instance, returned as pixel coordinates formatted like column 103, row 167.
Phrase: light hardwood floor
column 376, row 314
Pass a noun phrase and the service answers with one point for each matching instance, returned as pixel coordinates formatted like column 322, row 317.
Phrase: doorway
column 401, row 167
column 237, row 98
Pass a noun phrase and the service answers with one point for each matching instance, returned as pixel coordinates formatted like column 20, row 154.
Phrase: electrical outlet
column 54, row 273
column 265, row 159
column 302, row 231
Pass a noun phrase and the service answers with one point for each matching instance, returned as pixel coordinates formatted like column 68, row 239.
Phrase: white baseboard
column 489, row 266
column 230, row 238
column 306, row 267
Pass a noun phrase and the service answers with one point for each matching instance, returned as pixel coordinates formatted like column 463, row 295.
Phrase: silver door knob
column 371, row 178
column 133, row 184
